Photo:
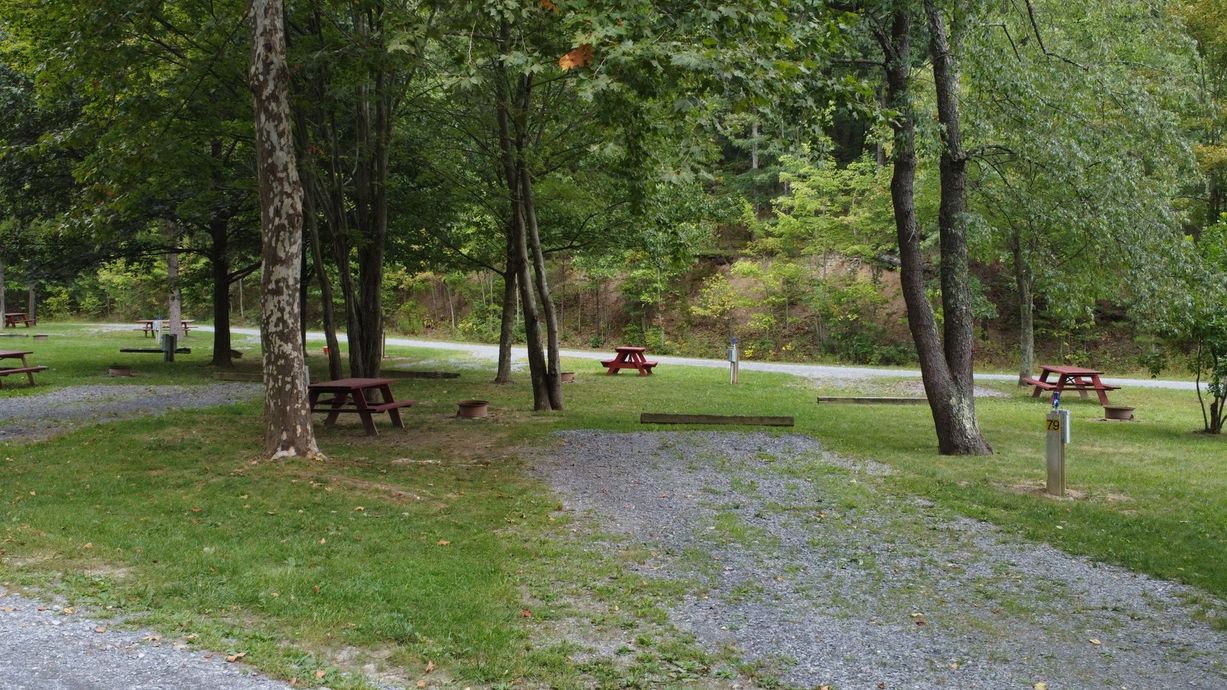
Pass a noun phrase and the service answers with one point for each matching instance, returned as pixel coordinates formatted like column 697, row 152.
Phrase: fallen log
column 871, row 400
column 755, row 420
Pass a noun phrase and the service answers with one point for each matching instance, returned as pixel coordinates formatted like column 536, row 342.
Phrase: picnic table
column 1076, row 378
column 350, row 395
column 629, row 357
column 147, row 326
column 12, row 318
column 25, row 367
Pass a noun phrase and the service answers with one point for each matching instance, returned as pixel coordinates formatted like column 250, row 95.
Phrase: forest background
column 690, row 172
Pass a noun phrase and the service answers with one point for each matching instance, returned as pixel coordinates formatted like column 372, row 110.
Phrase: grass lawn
column 433, row 545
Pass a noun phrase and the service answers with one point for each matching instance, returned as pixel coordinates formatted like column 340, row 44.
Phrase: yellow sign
column 1054, row 425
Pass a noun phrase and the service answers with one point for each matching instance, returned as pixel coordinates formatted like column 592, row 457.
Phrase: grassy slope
column 431, row 544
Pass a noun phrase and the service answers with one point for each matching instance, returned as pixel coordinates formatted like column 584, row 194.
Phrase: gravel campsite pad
column 44, row 647
column 810, row 571
column 30, row 417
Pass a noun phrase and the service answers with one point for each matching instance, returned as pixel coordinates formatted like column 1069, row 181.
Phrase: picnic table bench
column 146, row 326
column 629, row 357
column 350, row 395
column 25, row 367
column 12, row 318
column 1075, row 378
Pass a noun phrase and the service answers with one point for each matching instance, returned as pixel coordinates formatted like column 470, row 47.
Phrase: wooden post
column 1057, row 426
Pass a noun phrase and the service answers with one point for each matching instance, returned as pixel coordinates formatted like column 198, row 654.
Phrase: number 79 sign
column 1054, row 424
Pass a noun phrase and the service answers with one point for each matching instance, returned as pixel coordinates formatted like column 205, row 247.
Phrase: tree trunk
column 327, row 309
column 219, row 263
column 507, row 320
column 32, row 301
column 174, row 310
column 950, row 398
column 511, row 147
column 553, row 380
column 287, row 415
column 961, row 435
column 3, row 295
column 1024, row 283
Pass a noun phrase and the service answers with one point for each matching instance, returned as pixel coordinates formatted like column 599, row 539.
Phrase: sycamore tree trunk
column 288, row 431
column 945, row 367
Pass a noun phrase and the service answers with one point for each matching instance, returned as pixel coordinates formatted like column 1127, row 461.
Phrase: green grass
column 433, row 545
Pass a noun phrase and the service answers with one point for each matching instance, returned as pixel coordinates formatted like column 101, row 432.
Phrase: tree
column 946, row 356
column 1080, row 152
column 288, row 431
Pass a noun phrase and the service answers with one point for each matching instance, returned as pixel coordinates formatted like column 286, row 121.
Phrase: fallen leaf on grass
column 1040, row 686
column 320, row 674
column 430, row 666
column 68, row 610
column 421, row 683
column 8, row 609
column 100, row 629
column 1095, row 641
column 235, row 657
column 443, row 542
column 525, row 613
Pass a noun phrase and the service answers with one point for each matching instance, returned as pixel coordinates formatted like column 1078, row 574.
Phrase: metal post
column 1057, row 426
column 733, row 364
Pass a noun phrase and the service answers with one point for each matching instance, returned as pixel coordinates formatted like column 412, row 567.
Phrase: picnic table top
column 152, row 320
column 16, row 313
column 13, row 354
column 351, row 383
column 630, row 348
column 1069, row 371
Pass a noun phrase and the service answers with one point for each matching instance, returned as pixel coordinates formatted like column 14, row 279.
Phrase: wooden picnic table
column 629, row 357
column 25, row 367
column 147, row 326
column 1076, row 378
column 12, row 318
column 350, row 395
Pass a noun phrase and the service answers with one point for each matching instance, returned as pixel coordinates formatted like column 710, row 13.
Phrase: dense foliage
column 587, row 172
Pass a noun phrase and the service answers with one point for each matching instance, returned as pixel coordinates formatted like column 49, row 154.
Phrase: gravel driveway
column 807, row 569
column 26, row 417
column 49, row 648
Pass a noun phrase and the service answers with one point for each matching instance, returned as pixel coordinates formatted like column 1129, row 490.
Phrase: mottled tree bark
column 287, row 415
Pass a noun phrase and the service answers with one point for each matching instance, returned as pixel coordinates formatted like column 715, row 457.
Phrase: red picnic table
column 350, row 395
column 1077, row 378
column 147, row 326
column 12, row 318
column 629, row 357
column 25, row 367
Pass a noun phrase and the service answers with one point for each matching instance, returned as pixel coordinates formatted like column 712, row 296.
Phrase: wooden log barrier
column 754, row 420
column 871, row 400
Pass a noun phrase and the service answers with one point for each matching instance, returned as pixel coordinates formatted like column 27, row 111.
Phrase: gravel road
column 26, row 417
column 812, row 371
column 44, row 648
column 811, row 572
